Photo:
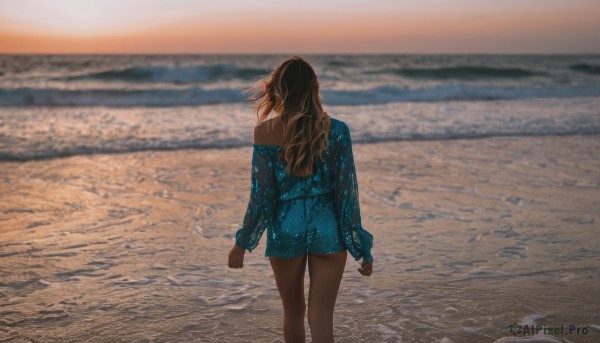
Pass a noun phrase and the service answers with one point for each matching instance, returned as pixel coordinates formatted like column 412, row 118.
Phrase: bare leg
column 289, row 276
column 325, row 272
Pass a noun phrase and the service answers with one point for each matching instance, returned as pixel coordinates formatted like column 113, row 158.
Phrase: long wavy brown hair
column 292, row 91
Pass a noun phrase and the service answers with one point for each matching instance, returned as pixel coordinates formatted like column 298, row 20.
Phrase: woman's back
column 334, row 177
column 290, row 187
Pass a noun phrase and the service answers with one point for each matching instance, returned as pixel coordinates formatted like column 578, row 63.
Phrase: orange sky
column 355, row 26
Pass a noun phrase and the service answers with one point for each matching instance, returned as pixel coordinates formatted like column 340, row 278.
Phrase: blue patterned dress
column 319, row 213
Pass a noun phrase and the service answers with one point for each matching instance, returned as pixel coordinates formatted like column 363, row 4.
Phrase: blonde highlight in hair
column 292, row 91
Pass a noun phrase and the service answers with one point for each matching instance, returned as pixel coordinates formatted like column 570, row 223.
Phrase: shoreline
column 4, row 157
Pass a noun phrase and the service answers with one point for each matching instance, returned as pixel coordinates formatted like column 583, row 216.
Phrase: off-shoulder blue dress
column 319, row 213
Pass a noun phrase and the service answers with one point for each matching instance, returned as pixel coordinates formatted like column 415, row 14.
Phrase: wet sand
column 471, row 236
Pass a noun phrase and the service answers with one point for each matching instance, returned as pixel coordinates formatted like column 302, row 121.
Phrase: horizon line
column 294, row 53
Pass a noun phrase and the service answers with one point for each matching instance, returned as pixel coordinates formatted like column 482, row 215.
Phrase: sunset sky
column 309, row 26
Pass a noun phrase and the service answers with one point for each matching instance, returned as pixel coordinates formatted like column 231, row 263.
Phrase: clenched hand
column 366, row 269
column 236, row 257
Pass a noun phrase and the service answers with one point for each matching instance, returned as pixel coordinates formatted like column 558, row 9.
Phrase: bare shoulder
column 268, row 132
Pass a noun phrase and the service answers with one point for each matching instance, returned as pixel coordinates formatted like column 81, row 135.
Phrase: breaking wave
column 199, row 96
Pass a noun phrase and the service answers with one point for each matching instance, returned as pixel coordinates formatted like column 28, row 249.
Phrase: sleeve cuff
column 241, row 245
column 368, row 258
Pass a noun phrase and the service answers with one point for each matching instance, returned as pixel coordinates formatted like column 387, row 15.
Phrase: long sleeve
column 358, row 241
column 259, row 213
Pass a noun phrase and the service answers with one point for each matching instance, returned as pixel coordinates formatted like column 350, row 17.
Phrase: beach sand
column 470, row 236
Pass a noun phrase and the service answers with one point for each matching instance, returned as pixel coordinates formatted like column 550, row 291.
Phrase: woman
column 304, row 193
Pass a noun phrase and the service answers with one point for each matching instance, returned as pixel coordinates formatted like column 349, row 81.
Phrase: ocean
column 60, row 105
